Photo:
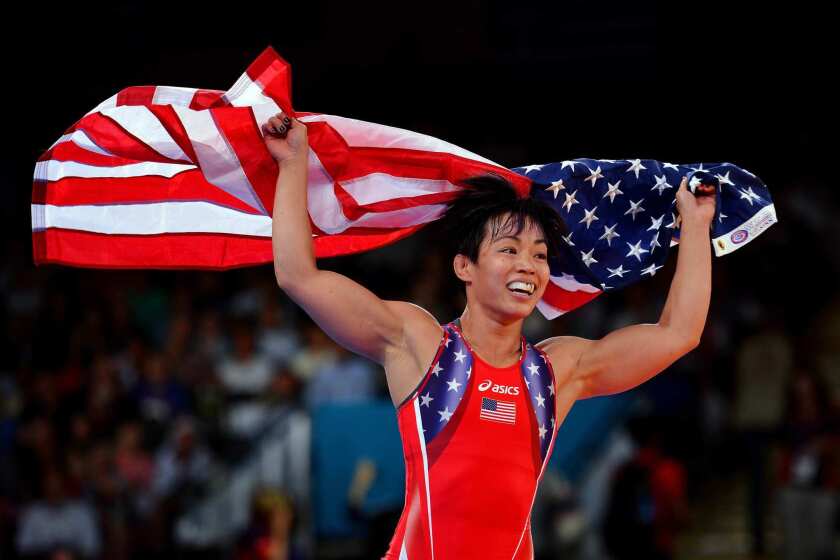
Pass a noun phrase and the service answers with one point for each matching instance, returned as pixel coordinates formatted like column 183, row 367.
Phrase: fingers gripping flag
column 172, row 177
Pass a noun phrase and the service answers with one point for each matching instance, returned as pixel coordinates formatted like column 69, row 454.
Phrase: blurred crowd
column 125, row 394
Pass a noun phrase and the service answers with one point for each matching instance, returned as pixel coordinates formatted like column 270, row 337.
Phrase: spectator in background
column 275, row 338
column 346, row 379
column 245, row 377
column 159, row 398
column 647, row 503
column 763, row 368
column 269, row 535
column 58, row 524
column 318, row 351
column 809, row 473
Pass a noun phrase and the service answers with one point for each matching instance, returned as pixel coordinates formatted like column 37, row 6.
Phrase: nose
column 525, row 264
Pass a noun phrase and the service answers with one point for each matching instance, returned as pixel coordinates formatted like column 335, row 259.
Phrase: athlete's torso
column 475, row 439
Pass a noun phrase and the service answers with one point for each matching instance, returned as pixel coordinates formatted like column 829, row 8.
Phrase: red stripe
column 187, row 185
column 186, row 250
column 565, row 300
column 136, row 95
column 238, row 126
column 275, row 76
column 206, row 98
column 110, row 136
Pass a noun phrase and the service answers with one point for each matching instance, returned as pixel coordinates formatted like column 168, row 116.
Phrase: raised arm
column 627, row 357
column 349, row 313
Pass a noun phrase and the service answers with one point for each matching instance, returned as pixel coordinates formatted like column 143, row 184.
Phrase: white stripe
column 140, row 122
column 81, row 139
column 403, row 553
column 154, row 218
column 371, row 135
column 246, row 92
column 326, row 213
column 53, row 170
column 377, row 187
column 173, row 95
column 425, row 470
column 568, row 283
column 217, row 160
column 324, row 208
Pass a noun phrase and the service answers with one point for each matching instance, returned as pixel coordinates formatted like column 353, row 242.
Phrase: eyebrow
column 516, row 238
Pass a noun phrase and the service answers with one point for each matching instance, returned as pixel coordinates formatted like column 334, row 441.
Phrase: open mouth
column 524, row 288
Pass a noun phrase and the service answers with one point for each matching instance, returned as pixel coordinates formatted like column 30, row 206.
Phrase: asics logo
column 501, row 389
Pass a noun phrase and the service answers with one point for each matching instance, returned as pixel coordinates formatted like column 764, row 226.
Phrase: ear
column 463, row 268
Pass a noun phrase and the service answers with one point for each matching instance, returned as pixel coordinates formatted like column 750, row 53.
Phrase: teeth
column 525, row 286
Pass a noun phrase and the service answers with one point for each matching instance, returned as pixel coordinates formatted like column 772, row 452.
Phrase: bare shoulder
column 564, row 353
column 406, row 364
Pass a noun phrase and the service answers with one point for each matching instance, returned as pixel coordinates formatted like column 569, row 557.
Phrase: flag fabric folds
column 173, row 177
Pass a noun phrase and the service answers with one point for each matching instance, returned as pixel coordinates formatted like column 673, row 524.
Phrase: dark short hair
column 487, row 199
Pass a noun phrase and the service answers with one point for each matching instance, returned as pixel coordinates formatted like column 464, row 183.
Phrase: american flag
column 174, row 177
column 498, row 411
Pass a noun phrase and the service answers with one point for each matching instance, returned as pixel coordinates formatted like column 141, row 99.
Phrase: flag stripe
column 188, row 185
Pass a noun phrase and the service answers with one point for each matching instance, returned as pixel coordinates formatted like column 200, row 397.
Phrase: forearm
column 688, row 299
column 291, row 234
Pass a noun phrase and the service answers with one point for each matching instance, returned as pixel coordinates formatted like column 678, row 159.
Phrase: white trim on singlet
column 403, row 555
column 425, row 474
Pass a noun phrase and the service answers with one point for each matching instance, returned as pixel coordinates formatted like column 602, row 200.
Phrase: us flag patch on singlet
column 498, row 411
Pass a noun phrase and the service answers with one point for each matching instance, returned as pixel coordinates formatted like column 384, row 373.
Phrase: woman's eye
column 511, row 249
column 542, row 256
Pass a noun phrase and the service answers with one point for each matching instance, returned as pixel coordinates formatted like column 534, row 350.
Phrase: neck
column 496, row 342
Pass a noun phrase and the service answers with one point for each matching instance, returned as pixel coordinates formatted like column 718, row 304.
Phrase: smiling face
column 511, row 271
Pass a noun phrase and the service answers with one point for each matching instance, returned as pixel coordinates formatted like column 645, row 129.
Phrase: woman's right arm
column 348, row 312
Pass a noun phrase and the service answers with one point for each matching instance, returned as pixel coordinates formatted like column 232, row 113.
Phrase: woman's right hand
column 285, row 138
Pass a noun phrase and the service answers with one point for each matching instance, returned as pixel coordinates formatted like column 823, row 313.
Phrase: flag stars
column 635, row 166
column 670, row 166
column 635, row 208
column 445, row 415
column 609, row 233
column 543, row 431
column 636, row 251
column 540, row 400
column 724, row 179
column 459, row 356
column 437, row 369
column 551, row 389
column 749, row 195
column 570, row 201
column 426, row 399
column 651, row 269
column 568, row 163
column 556, row 187
column 656, row 223
column 453, row 385
column 620, row 272
column 654, row 243
column 594, row 176
column 534, row 369
column 469, row 372
column 675, row 221
column 721, row 217
column 568, row 239
column 613, row 190
column 587, row 257
column 589, row 216
column 528, row 168
column 661, row 184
